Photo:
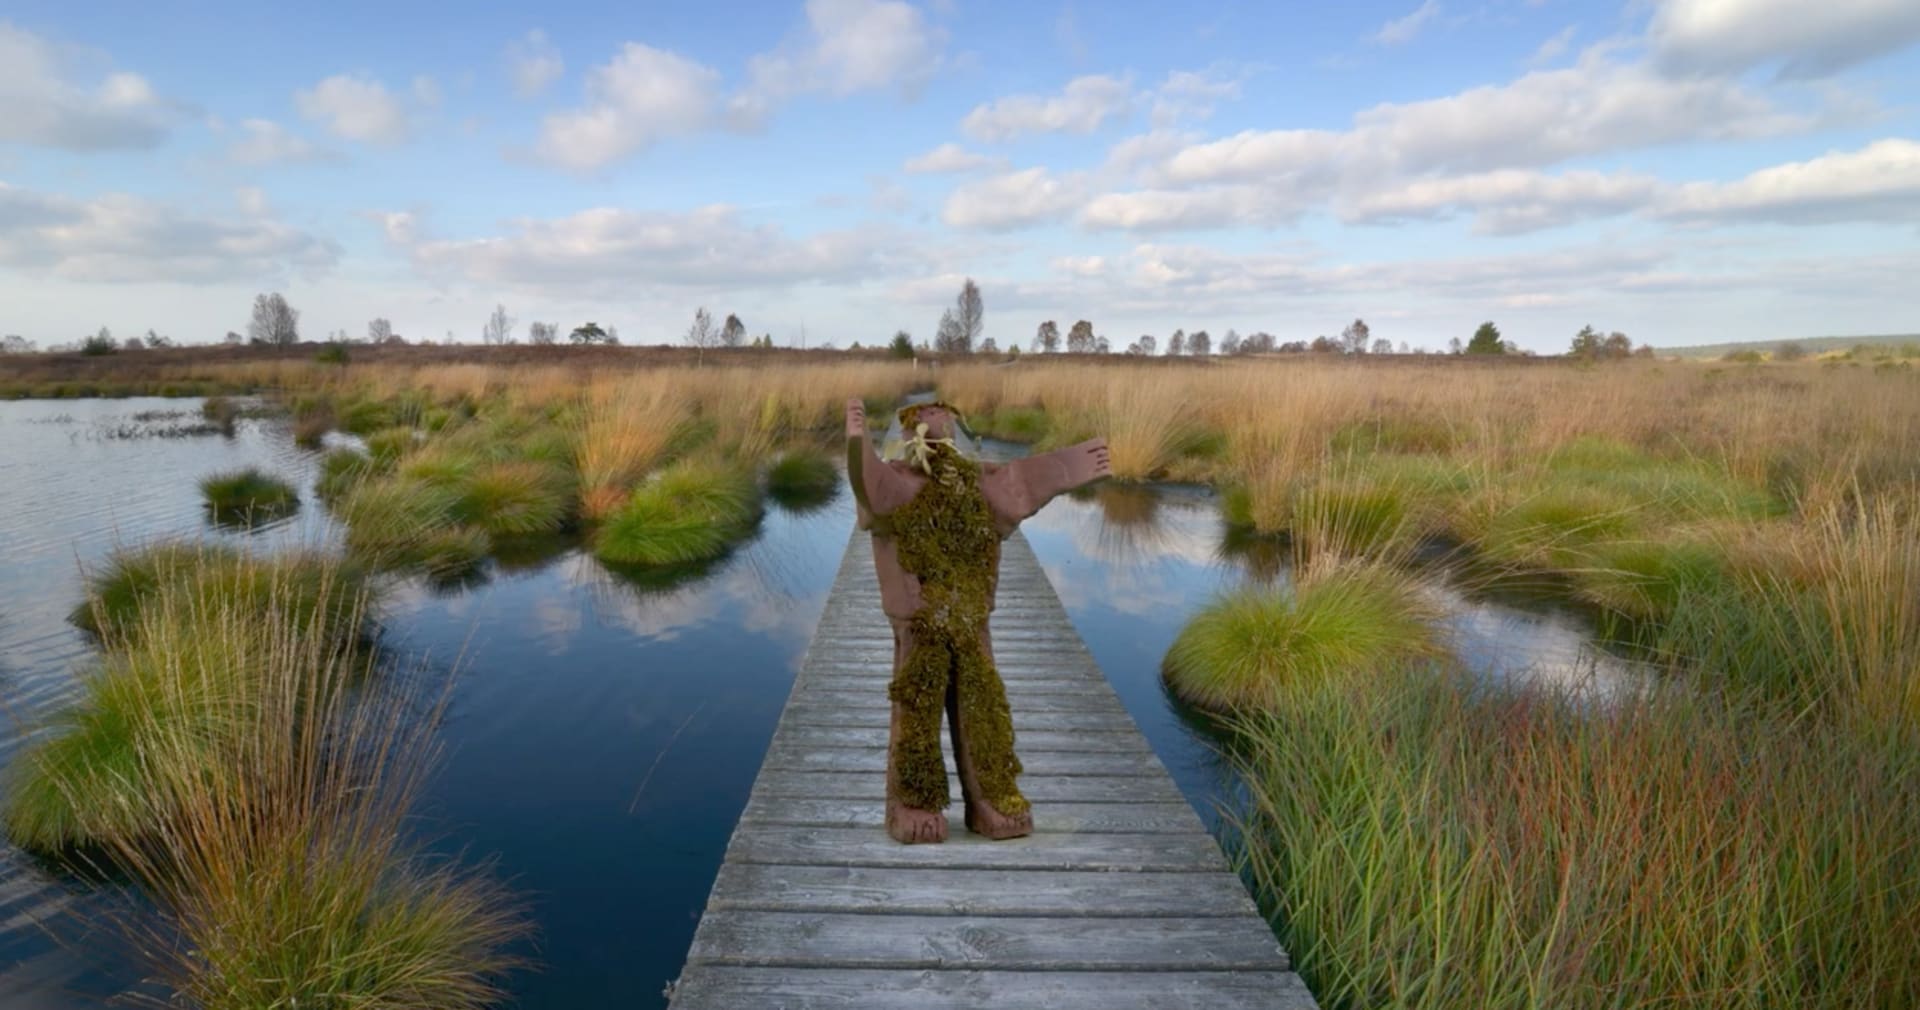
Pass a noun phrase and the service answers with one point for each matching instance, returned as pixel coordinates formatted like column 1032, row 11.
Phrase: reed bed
column 1424, row 843
column 247, row 758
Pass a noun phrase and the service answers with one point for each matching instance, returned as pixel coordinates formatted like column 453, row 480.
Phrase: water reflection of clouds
column 1140, row 553
column 772, row 587
column 1550, row 650
column 1152, row 562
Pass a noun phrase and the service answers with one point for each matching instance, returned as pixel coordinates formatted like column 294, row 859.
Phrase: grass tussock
column 313, row 587
column 1824, row 619
column 183, row 654
column 689, row 512
column 248, row 496
column 1255, row 646
column 624, row 431
column 1422, row 843
column 802, row 479
column 406, row 523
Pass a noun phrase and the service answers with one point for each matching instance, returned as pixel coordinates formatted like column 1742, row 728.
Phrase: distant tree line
column 960, row 330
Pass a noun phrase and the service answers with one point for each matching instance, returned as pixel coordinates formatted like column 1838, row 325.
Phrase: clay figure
column 937, row 519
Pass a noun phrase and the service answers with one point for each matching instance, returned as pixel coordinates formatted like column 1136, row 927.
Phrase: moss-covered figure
column 938, row 519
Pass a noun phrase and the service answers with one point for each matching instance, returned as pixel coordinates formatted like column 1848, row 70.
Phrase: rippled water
column 603, row 735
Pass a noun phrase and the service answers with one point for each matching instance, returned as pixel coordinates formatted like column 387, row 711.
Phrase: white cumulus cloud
column 642, row 96
column 607, row 250
column 949, row 158
column 355, row 107
column 848, row 46
column 1878, row 183
column 1405, row 29
column 1084, row 104
column 1012, row 200
column 42, row 104
column 1806, row 40
column 265, row 142
column 118, row 238
column 534, row 63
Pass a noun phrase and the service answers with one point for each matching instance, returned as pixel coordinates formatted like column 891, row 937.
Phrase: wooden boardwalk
column 1119, row 899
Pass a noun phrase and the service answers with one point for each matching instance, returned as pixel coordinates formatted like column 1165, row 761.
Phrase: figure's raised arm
column 1024, row 486
column 876, row 486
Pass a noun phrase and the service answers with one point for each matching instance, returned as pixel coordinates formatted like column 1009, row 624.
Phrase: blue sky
column 1681, row 170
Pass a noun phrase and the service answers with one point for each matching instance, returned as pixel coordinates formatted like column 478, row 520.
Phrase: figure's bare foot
column 983, row 819
column 909, row 826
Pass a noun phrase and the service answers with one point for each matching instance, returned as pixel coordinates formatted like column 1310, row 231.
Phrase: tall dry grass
column 625, row 428
column 283, row 874
column 1814, row 435
column 1423, row 844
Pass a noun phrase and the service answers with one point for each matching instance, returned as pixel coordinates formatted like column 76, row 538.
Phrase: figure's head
column 941, row 420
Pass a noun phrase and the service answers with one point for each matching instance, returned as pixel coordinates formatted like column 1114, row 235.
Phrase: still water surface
column 602, row 735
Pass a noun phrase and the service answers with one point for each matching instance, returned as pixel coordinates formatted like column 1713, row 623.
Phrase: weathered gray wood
column 1040, row 789
column 807, row 846
column 1037, row 762
column 726, row 987
column 1054, row 816
column 1119, row 740
column 1064, row 943
column 943, row 890
column 1118, row 899
column 802, row 713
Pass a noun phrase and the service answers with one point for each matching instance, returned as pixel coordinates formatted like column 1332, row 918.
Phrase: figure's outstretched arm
column 1024, row 486
column 877, row 488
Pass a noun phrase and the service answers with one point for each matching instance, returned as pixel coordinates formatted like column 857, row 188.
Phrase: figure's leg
column 916, row 770
column 982, row 726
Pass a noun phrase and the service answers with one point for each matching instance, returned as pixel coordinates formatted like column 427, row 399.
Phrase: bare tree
column 1355, row 338
column 960, row 325
column 733, row 332
column 1100, row 346
column 1080, row 339
column 274, row 321
column 1230, row 344
column 1199, row 344
column 701, row 335
column 1382, row 346
column 1046, row 339
column 498, row 329
column 970, row 312
column 379, row 330
column 947, row 337
column 1177, row 344
column 987, row 346
column 542, row 333
column 14, row 343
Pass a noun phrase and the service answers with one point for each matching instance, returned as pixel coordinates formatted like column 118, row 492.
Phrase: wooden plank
column 1119, row 898
column 1037, row 762
column 775, row 782
column 1017, row 687
column 1120, row 741
column 728, row 987
column 1163, row 817
column 1038, row 702
column 802, row 712
column 811, row 846
column 948, row 891
column 1018, row 943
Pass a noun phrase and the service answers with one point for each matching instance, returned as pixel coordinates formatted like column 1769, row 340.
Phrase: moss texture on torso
column 947, row 538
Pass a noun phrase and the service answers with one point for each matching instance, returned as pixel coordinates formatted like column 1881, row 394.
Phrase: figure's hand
column 856, row 418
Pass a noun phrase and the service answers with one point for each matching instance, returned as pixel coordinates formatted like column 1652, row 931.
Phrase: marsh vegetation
column 1735, row 831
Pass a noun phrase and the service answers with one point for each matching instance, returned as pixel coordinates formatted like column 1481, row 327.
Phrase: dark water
column 602, row 735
